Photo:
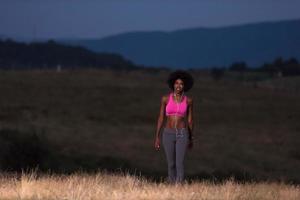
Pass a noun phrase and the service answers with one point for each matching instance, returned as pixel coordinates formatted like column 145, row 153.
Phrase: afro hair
column 184, row 76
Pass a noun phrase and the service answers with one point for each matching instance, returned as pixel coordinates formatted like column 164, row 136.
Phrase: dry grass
column 104, row 186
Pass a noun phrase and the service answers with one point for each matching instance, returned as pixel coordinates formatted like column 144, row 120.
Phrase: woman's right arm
column 160, row 122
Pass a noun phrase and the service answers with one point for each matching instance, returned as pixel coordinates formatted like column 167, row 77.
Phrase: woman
column 177, row 109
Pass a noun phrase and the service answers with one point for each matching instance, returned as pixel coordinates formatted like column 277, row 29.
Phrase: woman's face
column 178, row 86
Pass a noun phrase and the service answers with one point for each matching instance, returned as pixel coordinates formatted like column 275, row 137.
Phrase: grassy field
column 102, row 119
column 112, row 187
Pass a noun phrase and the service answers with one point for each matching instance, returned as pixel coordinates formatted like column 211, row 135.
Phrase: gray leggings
column 175, row 145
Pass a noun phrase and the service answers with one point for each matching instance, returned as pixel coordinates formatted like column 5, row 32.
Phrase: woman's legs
column 175, row 148
column 181, row 145
column 169, row 146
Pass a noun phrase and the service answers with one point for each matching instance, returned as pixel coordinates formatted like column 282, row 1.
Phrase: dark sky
column 99, row 18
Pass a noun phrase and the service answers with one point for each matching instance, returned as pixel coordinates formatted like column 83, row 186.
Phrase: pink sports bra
column 174, row 108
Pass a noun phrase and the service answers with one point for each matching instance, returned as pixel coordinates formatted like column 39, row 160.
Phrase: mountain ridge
column 254, row 43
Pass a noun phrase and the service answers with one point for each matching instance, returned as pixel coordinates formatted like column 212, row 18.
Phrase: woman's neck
column 178, row 94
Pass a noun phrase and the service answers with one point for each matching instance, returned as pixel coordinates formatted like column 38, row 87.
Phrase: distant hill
column 17, row 55
column 2, row 37
column 204, row 47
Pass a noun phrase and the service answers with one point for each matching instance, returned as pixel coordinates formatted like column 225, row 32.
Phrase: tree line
column 47, row 55
column 278, row 68
column 50, row 54
column 289, row 67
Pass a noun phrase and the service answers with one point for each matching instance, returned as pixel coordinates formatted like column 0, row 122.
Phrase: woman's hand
column 157, row 144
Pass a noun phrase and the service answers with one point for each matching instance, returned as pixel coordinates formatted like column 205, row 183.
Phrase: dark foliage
column 21, row 151
column 281, row 67
column 239, row 66
column 29, row 150
column 16, row 55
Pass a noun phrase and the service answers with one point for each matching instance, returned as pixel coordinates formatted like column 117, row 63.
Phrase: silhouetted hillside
column 16, row 55
column 254, row 44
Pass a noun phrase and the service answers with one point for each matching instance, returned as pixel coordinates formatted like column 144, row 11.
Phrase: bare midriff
column 175, row 121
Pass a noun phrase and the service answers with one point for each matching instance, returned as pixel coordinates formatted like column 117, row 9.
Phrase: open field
column 101, row 119
column 112, row 187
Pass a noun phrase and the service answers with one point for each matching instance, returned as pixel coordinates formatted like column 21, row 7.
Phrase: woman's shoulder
column 189, row 99
column 165, row 98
